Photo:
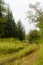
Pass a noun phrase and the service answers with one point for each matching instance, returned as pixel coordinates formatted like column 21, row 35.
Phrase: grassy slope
column 12, row 49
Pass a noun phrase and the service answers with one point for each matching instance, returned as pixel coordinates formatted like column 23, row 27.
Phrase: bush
column 33, row 36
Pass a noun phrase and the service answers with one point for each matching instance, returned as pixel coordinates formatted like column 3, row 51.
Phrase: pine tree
column 21, row 31
column 10, row 24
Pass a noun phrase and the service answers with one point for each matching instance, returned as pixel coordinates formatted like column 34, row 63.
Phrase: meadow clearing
column 16, row 52
column 12, row 51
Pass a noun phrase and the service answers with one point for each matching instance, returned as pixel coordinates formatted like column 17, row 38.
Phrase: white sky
column 19, row 9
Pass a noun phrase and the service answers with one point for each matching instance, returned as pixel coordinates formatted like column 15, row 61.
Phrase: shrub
column 33, row 36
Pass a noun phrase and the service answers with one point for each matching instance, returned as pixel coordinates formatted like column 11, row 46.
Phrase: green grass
column 8, row 46
column 39, row 60
column 12, row 50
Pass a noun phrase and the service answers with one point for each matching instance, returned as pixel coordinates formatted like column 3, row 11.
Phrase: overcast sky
column 19, row 9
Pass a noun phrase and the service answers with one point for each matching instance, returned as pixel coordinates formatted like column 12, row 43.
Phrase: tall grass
column 10, row 46
column 18, row 55
column 13, row 49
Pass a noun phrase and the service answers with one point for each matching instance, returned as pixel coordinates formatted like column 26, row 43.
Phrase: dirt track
column 34, row 56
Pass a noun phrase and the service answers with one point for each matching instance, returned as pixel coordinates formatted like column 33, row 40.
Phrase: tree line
column 8, row 27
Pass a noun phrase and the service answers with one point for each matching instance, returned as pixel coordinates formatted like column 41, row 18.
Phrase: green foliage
column 34, row 36
column 2, row 8
column 2, row 18
column 10, row 29
column 21, row 31
column 40, row 24
column 35, row 15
